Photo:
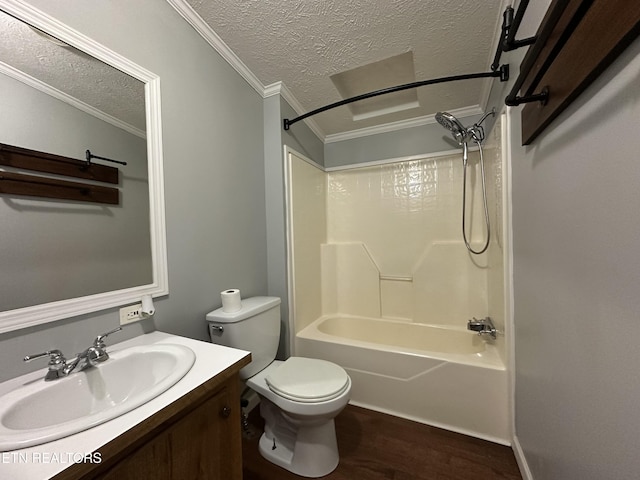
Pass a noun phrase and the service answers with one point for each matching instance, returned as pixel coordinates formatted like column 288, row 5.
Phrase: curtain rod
column 502, row 72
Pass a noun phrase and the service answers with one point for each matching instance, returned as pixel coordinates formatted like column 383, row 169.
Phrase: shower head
column 451, row 123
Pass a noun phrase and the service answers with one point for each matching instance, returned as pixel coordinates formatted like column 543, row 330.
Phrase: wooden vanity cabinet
column 196, row 437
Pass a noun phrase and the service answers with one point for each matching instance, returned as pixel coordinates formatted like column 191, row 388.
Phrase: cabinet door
column 203, row 445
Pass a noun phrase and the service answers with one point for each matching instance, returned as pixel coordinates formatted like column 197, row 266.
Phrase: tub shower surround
column 383, row 285
column 456, row 381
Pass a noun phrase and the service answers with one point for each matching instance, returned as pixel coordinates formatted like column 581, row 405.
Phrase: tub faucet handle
column 483, row 327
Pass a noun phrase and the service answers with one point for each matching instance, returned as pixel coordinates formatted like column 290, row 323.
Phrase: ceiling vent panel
column 386, row 73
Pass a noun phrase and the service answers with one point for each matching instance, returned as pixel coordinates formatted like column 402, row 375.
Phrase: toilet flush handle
column 217, row 330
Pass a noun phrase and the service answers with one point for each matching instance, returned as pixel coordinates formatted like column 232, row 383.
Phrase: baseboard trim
column 520, row 459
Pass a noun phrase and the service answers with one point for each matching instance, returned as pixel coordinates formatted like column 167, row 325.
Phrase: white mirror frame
column 48, row 312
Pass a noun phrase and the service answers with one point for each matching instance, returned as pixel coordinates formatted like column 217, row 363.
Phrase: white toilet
column 300, row 397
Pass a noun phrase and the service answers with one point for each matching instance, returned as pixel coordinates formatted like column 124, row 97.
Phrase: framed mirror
column 63, row 94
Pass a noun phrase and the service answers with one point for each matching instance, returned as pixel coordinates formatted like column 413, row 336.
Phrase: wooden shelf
column 46, row 162
column 34, row 186
column 577, row 41
column 17, row 183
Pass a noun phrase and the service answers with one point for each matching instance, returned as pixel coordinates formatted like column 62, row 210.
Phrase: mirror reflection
column 57, row 99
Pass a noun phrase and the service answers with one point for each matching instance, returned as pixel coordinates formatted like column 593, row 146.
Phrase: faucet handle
column 56, row 359
column 99, row 341
column 57, row 363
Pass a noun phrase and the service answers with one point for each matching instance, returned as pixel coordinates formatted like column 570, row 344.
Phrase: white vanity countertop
column 46, row 460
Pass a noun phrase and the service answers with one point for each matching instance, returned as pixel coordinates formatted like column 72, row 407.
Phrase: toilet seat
column 308, row 380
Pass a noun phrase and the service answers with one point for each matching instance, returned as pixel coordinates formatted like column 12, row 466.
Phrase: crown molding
column 31, row 15
column 33, row 82
column 212, row 38
column 274, row 89
column 279, row 88
column 399, row 125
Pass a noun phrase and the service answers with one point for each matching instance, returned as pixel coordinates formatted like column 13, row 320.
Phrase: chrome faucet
column 59, row 367
column 483, row 326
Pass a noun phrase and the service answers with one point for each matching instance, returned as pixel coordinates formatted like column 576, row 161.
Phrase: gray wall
column 300, row 137
column 576, row 192
column 274, row 204
column 303, row 140
column 431, row 138
column 213, row 168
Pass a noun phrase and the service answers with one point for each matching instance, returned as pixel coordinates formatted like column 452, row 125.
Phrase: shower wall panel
column 495, row 170
column 385, row 241
column 308, row 230
column 408, row 217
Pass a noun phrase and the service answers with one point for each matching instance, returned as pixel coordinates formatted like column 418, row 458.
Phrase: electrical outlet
column 130, row 314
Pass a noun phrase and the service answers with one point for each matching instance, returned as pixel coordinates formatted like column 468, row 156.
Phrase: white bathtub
column 443, row 377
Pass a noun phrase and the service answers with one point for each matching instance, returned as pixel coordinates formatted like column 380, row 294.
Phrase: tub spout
column 483, row 326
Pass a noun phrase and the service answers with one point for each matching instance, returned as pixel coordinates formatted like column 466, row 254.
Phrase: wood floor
column 375, row 446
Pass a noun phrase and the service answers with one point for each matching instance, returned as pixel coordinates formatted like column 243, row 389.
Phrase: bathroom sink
column 39, row 411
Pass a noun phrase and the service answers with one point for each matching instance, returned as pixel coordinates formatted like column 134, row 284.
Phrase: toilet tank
column 255, row 327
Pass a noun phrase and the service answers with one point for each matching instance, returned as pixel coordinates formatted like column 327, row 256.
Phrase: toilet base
column 306, row 449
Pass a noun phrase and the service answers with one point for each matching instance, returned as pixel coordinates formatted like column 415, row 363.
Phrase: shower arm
column 484, row 117
column 502, row 73
column 476, row 131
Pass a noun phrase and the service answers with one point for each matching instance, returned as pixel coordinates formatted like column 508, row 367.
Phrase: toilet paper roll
column 231, row 301
column 147, row 306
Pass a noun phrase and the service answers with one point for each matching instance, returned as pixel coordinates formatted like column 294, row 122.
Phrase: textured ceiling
column 304, row 42
column 72, row 72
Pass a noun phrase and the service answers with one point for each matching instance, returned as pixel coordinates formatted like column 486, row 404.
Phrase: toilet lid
column 308, row 380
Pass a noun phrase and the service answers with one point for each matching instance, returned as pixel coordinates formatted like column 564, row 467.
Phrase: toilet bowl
column 299, row 397
column 299, row 433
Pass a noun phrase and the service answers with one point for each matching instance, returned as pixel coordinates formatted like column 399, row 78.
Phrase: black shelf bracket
column 513, row 100
column 510, row 25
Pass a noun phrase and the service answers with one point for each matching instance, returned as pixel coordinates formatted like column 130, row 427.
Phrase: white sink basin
column 39, row 411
